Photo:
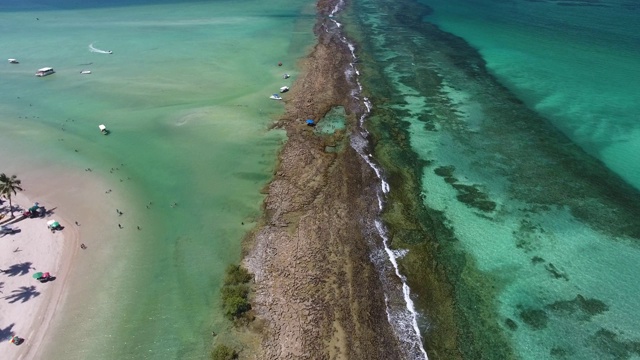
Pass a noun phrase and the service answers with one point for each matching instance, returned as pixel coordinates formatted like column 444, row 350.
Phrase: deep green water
column 185, row 95
column 519, row 122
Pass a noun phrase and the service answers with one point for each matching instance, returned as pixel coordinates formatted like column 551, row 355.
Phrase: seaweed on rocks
column 455, row 298
column 317, row 293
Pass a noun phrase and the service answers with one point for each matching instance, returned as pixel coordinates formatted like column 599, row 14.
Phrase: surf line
column 405, row 323
column 96, row 50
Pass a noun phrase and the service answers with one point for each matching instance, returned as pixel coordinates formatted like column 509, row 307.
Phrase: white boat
column 13, row 61
column 275, row 97
column 284, row 89
column 84, row 72
column 103, row 129
column 285, row 76
column 44, row 71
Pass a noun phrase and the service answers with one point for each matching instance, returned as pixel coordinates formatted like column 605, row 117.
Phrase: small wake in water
column 96, row 50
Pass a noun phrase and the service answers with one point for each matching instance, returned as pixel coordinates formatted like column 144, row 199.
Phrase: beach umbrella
column 37, row 275
column 34, row 208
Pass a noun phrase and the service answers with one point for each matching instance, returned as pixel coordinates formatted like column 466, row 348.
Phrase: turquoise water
column 185, row 95
column 579, row 66
column 332, row 122
column 526, row 151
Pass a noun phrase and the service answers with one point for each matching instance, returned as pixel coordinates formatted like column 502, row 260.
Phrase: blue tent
column 310, row 122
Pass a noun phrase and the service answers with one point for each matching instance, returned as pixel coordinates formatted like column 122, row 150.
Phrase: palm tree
column 9, row 185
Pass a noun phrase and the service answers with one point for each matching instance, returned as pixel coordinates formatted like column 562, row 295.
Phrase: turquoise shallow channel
column 185, row 94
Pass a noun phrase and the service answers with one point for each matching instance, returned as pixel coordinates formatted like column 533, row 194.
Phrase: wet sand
column 318, row 295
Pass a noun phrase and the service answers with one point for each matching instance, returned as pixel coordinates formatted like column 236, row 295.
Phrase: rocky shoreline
column 317, row 293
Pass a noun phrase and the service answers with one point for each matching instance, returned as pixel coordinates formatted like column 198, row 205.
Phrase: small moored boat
column 44, row 71
column 284, row 89
column 286, row 76
column 275, row 97
column 13, row 61
column 85, row 72
column 103, row 129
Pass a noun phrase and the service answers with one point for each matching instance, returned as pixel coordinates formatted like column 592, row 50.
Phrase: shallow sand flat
column 27, row 307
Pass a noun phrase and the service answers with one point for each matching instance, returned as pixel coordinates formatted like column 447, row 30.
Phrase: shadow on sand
column 24, row 293
column 10, row 232
column 6, row 333
column 18, row 269
column 50, row 212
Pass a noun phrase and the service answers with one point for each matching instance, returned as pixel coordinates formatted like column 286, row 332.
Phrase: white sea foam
column 337, row 8
column 399, row 254
column 404, row 321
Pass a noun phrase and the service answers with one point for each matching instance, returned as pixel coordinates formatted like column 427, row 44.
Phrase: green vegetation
column 9, row 185
column 236, row 274
column 223, row 352
column 235, row 292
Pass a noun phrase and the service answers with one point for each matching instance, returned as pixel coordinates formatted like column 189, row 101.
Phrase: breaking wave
column 400, row 309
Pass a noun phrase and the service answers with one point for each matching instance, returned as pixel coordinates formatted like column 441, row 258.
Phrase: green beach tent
column 53, row 224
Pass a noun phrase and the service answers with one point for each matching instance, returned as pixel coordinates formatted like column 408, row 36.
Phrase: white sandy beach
column 28, row 307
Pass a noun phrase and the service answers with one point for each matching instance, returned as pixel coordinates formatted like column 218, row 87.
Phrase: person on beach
column 83, row 246
column 16, row 340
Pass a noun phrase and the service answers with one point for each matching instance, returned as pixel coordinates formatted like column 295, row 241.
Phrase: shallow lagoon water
column 185, row 95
